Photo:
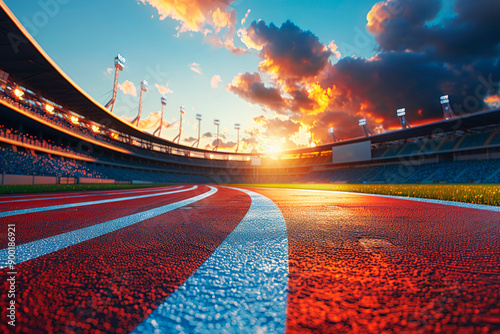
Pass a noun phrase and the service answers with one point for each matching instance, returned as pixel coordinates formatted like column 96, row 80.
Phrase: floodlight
column 198, row 117
column 164, row 101
column 331, row 130
column 183, row 109
column 120, row 61
column 19, row 93
column 362, row 122
column 401, row 112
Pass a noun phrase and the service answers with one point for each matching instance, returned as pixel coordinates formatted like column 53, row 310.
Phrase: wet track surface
column 213, row 259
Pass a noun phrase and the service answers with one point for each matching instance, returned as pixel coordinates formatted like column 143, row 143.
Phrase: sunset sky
column 286, row 70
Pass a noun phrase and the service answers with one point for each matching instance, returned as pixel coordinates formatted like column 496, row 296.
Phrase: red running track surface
column 357, row 263
column 113, row 282
column 367, row 264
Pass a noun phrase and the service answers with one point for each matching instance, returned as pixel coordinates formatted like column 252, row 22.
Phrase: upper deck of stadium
column 29, row 66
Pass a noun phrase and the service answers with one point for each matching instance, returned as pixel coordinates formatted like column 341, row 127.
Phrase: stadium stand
column 50, row 127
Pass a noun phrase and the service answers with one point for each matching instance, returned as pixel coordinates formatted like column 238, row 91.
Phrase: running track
column 211, row 259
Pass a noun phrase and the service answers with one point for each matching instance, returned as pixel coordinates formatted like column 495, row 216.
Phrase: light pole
column 119, row 65
column 182, row 111
column 163, row 104
column 237, row 127
column 144, row 88
column 362, row 122
column 331, row 130
column 447, row 111
column 197, row 142
column 217, row 123
column 402, row 118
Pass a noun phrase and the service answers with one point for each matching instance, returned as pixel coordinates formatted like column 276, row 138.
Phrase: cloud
column 109, row 70
column 207, row 135
column 251, row 88
column 193, row 14
column 214, row 82
column 128, row 88
column 243, row 20
column 195, row 67
column 223, row 145
column 417, row 61
column 150, row 123
column 288, row 52
column 163, row 89
column 209, row 17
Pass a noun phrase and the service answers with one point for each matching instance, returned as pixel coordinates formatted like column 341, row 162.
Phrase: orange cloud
column 163, row 89
column 243, row 20
column 193, row 14
column 128, row 88
column 195, row 67
column 150, row 123
column 214, row 83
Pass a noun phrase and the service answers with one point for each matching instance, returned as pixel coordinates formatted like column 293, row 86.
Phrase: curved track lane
column 257, row 260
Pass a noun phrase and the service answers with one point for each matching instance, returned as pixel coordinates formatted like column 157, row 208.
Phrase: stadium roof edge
column 28, row 63
column 25, row 61
column 463, row 123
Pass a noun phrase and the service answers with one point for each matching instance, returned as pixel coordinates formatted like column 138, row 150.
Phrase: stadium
column 194, row 242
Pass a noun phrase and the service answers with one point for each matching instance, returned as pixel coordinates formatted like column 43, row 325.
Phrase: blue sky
column 289, row 85
column 84, row 36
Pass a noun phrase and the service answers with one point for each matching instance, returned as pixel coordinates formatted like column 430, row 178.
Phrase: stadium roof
column 28, row 64
column 463, row 123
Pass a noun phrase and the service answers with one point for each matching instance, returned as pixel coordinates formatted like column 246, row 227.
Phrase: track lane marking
column 34, row 249
column 72, row 205
column 416, row 199
column 241, row 287
column 87, row 195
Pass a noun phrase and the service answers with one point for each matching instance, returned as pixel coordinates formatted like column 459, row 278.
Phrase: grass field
column 488, row 194
column 43, row 188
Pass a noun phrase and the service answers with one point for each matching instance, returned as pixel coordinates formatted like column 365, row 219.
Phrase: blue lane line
column 34, row 249
column 241, row 288
column 73, row 205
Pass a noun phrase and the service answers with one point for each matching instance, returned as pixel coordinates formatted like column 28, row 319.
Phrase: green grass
column 44, row 188
column 488, row 194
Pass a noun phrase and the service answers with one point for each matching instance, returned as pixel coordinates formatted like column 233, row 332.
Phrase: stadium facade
column 51, row 131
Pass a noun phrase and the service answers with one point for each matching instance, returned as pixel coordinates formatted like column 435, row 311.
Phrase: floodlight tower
column 237, row 126
column 331, row 130
column 197, row 142
column 163, row 104
column 119, row 66
column 402, row 117
column 217, row 123
column 182, row 111
column 144, row 88
column 447, row 111
column 362, row 122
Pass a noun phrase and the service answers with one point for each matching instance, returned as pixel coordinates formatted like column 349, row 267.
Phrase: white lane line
column 416, row 199
column 241, row 288
column 75, row 192
column 72, row 205
column 88, row 195
column 34, row 249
